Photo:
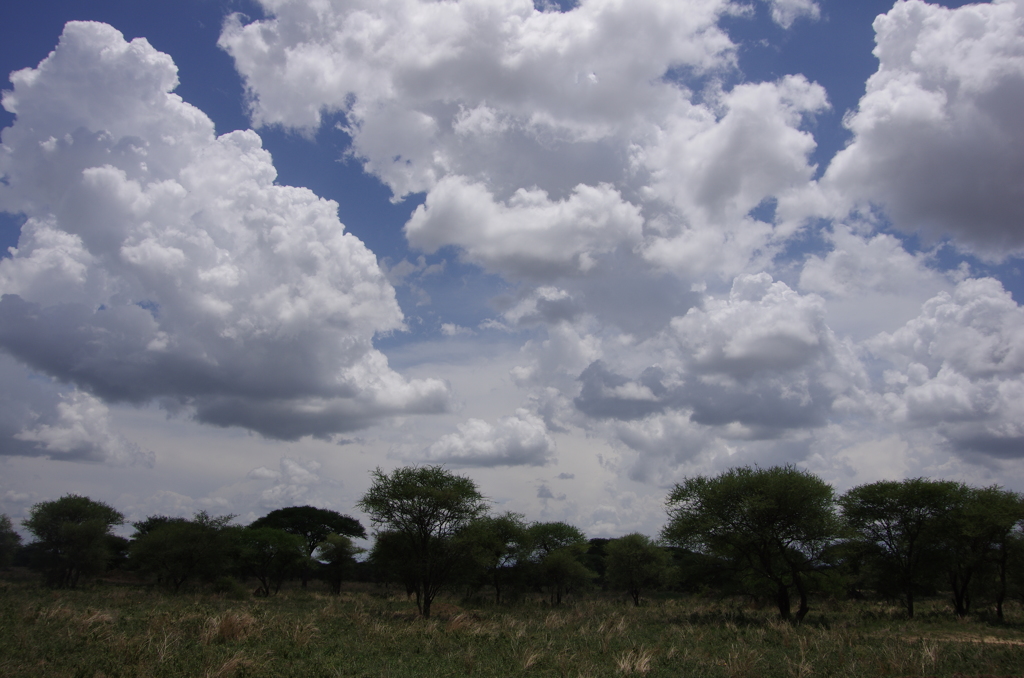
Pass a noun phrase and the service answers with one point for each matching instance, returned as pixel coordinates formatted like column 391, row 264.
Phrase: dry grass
column 228, row 627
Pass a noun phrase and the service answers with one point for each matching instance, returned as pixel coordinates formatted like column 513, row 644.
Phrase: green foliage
column 900, row 526
column 72, row 534
column 497, row 549
column 313, row 525
column 270, row 555
column 425, row 508
column 176, row 550
column 636, row 563
column 337, row 554
column 558, row 552
column 773, row 525
column 9, row 541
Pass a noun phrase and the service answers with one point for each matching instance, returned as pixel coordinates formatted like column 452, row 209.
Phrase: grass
column 112, row 631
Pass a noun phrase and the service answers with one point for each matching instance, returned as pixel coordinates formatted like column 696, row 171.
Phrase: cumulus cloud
column 959, row 368
column 938, row 139
column 39, row 417
column 519, row 440
column 160, row 262
column 530, row 235
column 755, row 364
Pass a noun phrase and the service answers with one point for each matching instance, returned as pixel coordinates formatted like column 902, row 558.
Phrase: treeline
column 779, row 535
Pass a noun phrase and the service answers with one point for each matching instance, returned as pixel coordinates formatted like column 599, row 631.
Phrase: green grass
column 112, row 631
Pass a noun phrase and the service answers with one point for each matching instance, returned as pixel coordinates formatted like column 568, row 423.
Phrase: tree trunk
column 803, row 609
column 782, row 600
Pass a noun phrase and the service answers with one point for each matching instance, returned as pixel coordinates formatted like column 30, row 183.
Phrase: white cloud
column 938, row 139
column 161, row 262
column 959, row 368
column 785, row 12
column 529, row 235
column 521, row 439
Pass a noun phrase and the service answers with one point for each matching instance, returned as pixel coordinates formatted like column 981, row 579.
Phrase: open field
column 121, row 631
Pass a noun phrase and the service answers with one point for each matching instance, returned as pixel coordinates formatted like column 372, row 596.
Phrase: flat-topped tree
column 773, row 523
column 423, row 509
column 313, row 525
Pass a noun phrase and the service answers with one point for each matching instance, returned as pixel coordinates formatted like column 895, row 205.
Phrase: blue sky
column 591, row 249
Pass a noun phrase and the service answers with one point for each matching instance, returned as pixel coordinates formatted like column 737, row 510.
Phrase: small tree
column 499, row 546
column 774, row 524
column 337, row 554
column 425, row 508
column 635, row 563
column 9, row 541
column 558, row 551
column 901, row 524
column 72, row 533
column 313, row 525
column 270, row 555
column 176, row 550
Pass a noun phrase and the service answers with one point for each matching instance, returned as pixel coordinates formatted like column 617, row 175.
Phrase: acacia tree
column 974, row 537
column 73, row 535
column 774, row 524
column 558, row 550
column 270, row 555
column 337, row 553
column 176, row 550
column 903, row 524
column 635, row 563
column 424, row 508
column 500, row 546
column 313, row 525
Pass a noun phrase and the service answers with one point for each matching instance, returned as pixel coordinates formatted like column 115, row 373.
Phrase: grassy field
column 115, row 631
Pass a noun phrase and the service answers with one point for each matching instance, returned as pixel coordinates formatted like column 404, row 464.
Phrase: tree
column 426, row 507
column 558, row 550
column 313, row 525
column 902, row 524
column 338, row 555
column 177, row 549
column 634, row 563
column 774, row 524
column 9, row 541
column 499, row 546
column 72, row 534
column 975, row 536
column 271, row 555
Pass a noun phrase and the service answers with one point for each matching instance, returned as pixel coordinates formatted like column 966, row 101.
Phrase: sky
column 255, row 249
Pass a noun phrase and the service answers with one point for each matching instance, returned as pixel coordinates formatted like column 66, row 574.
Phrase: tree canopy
column 773, row 523
column 425, row 507
column 73, row 535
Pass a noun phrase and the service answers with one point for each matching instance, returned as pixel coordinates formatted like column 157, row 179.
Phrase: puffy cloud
column 871, row 282
column 39, row 417
column 588, row 110
column 714, row 170
column 938, row 139
column 785, row 12
column 959, row 368
column 530, row 235
column 514, row 441
column 162, row 262
column 754, row 364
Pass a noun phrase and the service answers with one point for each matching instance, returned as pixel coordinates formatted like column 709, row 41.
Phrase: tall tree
column 72, row 533
column 313, row 525
column 337, row 554
column 425, row 507
column 635, row 563
column 903, row 524
column 774, row 524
